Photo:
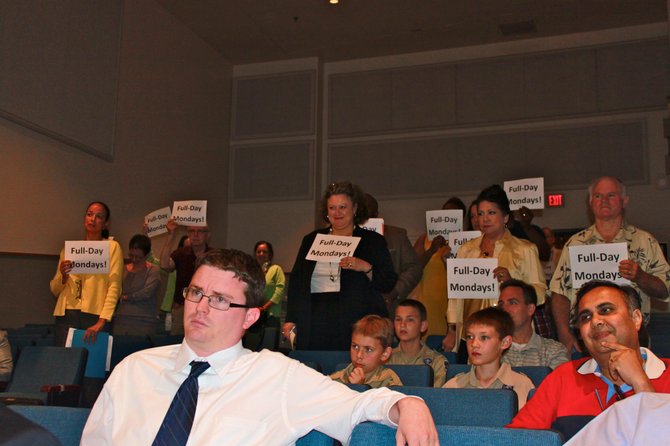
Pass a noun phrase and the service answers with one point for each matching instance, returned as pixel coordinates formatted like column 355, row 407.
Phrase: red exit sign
column 555, row 200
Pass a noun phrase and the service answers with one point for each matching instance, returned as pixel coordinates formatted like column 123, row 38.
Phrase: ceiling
column 248, row 31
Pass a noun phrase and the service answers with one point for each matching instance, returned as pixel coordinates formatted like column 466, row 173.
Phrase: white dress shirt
column 245, row 398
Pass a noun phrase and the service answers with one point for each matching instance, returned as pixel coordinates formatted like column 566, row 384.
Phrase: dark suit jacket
column 405, row 261
column 358, row 296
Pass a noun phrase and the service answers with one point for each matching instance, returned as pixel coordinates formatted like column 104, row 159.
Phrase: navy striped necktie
column 179, row 418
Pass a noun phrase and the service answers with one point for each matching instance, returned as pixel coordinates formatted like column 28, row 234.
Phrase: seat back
column 535, row 373
column 455, row 369
column 315, row 438
column 413, row 375
column 39, row 365
column 467, row 407
column 123, row 346
column 368, row 433
column 328, row 360
column 65, row 423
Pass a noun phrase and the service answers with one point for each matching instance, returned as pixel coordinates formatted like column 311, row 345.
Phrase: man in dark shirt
column 183, row 261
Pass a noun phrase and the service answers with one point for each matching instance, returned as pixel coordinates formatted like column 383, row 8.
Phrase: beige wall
column 171, row 144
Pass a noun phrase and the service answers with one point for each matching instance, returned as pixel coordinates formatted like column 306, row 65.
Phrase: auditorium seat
column 65, row 423
column 535, row 373
column 366, row 434
column 467, row 407
column 47, row 375
column 328, row 360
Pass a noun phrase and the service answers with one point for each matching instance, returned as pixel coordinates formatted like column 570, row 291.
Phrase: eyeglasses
column 215, row 301
column 197, row 231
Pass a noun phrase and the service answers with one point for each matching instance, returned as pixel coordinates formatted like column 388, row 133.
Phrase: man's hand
column 171, row 226
column 629, row 270
column 625, row 365
column 357, row 376
column 415, row 423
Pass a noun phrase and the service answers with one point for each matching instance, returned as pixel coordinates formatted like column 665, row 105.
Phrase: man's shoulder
column 394, row 231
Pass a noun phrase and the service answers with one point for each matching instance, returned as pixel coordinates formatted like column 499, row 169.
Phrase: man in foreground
column 608, row 319
column 241, row 397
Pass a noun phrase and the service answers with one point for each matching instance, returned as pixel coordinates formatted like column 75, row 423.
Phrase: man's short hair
column 529, row 293
column 418, row 306
column 245, row 268
column 628, row 293
column 494, row 317
column 374, row 326
column 622, row 187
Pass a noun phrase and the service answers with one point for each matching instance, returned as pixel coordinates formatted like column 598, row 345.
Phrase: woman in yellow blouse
column 517, row 259
column 87, row 301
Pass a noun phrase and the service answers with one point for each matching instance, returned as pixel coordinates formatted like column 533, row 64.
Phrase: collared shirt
column 538, row 351
column 506, row 378
column 244, row 398
column 379, row 377
column 572, row 395
column 426, row 356
column 652, row 366
column 642, row 248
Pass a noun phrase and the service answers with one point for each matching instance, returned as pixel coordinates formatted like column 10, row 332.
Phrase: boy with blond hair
column 410, row 323
column 371, row 341
column 488, row 335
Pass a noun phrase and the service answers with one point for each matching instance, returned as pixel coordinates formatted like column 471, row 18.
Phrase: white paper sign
column 331, row 248
column 443, row 222
column 528, row 192
column 374, row 224
column 472, row 279
column 458, row 238
column 190, row 213
column 156, row 221
column 597, row 262
column 87, row 257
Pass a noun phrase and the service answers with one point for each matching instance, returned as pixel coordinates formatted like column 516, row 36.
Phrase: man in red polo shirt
column 608, row 317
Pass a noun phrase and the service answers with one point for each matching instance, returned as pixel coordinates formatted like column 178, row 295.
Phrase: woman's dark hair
column 354, row 193
column 105, row 231
column 141, row 242
column 468, row 218
column 455, row 203
column 271, row 251
column 495, row 194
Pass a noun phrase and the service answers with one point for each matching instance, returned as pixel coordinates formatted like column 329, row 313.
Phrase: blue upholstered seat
column 66, row 423
column 467, row 407
column 535, row 373
column 40, row 366
column 327, row 360
column 367, row 434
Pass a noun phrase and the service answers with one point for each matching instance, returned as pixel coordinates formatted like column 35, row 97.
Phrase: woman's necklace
column 487, row 247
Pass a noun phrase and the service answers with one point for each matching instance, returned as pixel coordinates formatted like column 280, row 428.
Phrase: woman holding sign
column 517, row 259
column 432, row 289
column 87, row 301
column 326, row 298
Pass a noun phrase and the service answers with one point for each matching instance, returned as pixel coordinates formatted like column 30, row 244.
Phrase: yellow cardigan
column 99, row 292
